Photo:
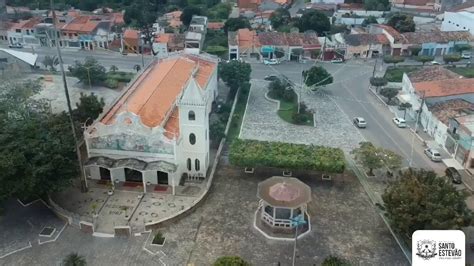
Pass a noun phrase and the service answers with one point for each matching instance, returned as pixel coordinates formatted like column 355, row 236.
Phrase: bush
column 301, row 118
column 111, row 83
column 120, row 76
column 289, row 95
column 230, row 261
column 253, row 153
column 335, row 261
column 159, row 239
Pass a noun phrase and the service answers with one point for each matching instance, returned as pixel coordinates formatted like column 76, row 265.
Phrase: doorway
column 132, row 175
column 162, row 178
column 104, row 173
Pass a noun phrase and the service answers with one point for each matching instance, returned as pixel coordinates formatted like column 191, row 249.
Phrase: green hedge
column 253, row 153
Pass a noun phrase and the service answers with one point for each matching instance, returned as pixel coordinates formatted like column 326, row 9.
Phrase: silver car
column 433, row 154
column 359, row 122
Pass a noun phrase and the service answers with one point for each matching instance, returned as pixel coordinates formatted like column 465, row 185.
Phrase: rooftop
column 446, row 87
column 397, row 36
column 286, row 192
column 365, row 39
column 84, row 24
column 215, row 25
column 432, row 73
column 153, row 95
column 437, row 36
column 451, row 109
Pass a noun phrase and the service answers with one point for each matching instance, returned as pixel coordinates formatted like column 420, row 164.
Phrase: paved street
column 351, row 95
column 106, row 58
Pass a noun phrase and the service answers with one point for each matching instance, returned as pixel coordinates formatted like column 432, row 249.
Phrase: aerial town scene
column 237, row 132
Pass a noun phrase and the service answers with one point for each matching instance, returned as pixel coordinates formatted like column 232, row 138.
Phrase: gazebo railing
column 276, row 222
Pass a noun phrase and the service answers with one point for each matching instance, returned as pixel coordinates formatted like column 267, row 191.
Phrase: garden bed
column 117, row 78
column 467, row 72
column 289, row 108
column 395, row 74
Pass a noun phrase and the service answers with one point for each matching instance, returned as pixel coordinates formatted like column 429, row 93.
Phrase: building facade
column 458, row 21
column 157, row 132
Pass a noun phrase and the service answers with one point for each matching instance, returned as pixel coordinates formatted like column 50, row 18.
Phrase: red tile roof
column 81, row 24
column 215, row 25
column 447, row 87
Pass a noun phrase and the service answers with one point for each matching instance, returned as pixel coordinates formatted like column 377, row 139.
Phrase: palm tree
column 74, row 259
column 137, row 67
column 405, row 106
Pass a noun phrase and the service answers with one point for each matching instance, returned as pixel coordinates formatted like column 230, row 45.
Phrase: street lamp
column 296, row 222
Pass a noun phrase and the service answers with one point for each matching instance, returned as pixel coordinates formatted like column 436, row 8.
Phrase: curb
column 378, row 97
column 416, row 134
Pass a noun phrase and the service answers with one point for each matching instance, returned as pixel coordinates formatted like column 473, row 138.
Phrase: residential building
column 249, row 4
column 458, row 21
column 242, row 44
column 427, row 74
column 327, row 1
column 460, row 141
column 437, row 43
column 166, row 43
column 365, row 45
column 217, row 26
column 443, row 5
column 17, row 61
column 398, row 44
column 171, row 19
column 157, row 132
column 130, row 41
column 196, row 34
column 79, row 33
column 23, row 32
column 46, row 34
column 4, row 27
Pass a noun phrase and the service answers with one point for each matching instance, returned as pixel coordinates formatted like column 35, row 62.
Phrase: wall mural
column 126, row 142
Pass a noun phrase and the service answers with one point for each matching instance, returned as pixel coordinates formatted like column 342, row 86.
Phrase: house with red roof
column 155, row 136
column 23, row 32
column 365, row 45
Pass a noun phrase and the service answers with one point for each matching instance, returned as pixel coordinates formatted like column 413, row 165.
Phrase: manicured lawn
column 467, row 72
column 238, row 115
column 114, row 79
column 288, row 108
column 395, row 74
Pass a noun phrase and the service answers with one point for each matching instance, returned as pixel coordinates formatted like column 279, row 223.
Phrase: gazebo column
column 273, row 215
column 144, row 181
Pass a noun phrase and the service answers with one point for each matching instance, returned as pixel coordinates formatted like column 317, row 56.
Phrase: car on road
column 435, row 63
column 337, row 60
column 271, row 62
column 454, row 175
column 271, row 77
column 16, row 45
column 359, row 122
column 433, row 154
column 466, row 55
column 400, row 122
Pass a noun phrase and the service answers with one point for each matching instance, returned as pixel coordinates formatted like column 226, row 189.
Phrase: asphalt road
column 351, row 94
column 106, row 58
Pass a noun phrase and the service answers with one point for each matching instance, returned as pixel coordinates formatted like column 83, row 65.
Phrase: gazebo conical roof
column 288, row 192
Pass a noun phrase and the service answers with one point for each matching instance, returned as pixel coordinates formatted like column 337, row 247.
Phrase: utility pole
column 416, row 128
column 68, row 100
column 141, row 47
column 375, row 66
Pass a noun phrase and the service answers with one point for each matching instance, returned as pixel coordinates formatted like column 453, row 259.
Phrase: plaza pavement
column 332, row 128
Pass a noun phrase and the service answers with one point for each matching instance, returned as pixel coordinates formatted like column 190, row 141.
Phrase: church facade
column 157, row 132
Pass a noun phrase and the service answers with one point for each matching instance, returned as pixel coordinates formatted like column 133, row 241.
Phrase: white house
column 157, row 132
column 458, row 21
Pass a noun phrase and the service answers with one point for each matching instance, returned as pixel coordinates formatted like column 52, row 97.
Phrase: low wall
column 123, row 231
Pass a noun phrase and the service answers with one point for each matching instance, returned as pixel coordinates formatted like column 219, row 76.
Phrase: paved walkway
column 332, row 128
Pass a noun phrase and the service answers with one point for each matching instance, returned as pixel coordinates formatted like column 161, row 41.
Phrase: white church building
column 156, row 134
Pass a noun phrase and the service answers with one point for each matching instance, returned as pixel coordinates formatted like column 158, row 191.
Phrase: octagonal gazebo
column 281, row 200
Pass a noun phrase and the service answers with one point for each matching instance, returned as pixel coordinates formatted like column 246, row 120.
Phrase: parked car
column 16, row 45
column 435, row 63
column 433, row 154
column 466, row 55
column 337, row 60
column 454, row 175
column 271, row 77
column 400, row 122
column 271, row 62
column 359, row 122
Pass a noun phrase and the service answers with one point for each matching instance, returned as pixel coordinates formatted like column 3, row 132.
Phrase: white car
column 359, row 122
column 400, row 122
column 466, row 55
column 337, row 60
column 433, row 154
column 434, row 63
column 270, row 62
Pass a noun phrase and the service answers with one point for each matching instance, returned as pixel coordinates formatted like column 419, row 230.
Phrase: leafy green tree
column 189, row 12
column 317, row 76
column 217, row 131
column 393, row 59
column 419, row 200
column 369, row 20
column 450, row 58
column 314, row 20
column 137, row 67
column 277, row 88
column 88, row 108
column 462, row 47
column 415, row 50
column 379, row 5
column 88, row 72
column 74, row 259
column 335, row 28
column 113, row 68
column 36, row 147
column 220, row 11
column 424, row 58
column 378, row 82
column 234, row 73
column 372, row 157
column 280, row 17
column 51, row 62
column 402, row 22
column 233, row 24
column 230, row 261
column 335, row 261
column 389, row 93
column 404, row 107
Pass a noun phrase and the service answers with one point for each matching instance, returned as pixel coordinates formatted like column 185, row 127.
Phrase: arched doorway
column 104, row 173
column 132, row 175
column 162, row 178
